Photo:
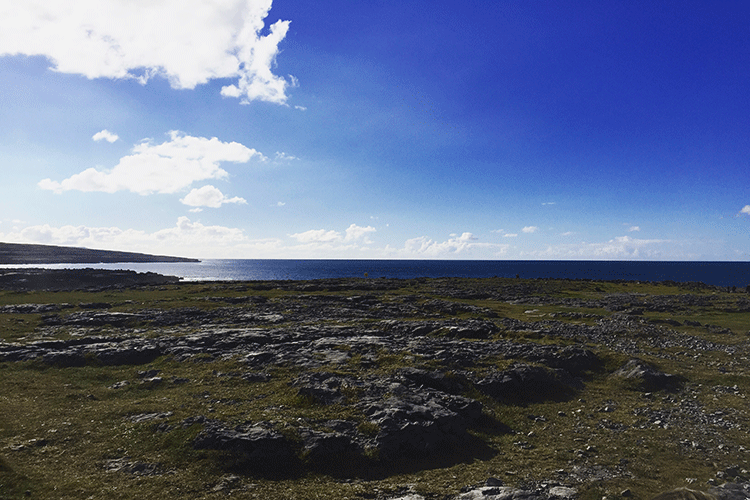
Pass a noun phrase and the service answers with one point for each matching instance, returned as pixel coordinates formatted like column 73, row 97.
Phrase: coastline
column 20, row 253
column 726, row 274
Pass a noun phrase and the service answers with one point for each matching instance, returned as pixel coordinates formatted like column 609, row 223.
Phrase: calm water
column 715, row 273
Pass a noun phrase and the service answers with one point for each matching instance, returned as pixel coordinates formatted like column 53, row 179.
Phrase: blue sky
column 379, row 129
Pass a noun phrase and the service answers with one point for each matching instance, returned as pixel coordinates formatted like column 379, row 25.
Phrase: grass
column 60, row 426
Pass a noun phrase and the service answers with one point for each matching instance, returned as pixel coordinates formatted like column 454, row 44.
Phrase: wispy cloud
column 209, row 196
column 620, row 247
column 140, row 40
column 530, row 229
column 317, row 236
column 160, row 168
column 105, row 135
column 634, row 228
column 281, row 156
column 510, row 235
column 422, row 247
column 185, row 236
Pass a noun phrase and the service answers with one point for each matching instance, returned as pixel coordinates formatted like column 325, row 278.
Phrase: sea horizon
column 719, row 273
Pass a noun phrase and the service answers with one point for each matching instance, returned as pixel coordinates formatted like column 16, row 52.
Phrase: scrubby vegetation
column 303, row 389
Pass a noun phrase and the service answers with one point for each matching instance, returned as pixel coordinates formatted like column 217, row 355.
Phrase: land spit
column 371, row 388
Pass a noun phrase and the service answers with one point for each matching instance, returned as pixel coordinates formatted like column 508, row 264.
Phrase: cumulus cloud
column 355, row 232
column 160, row 168
column 455, row 245
column 105, row 135
column 745, row 210
column 209, row 196
column 352, row 233
column 530, row 229
column 190, row 42
column 634, row 228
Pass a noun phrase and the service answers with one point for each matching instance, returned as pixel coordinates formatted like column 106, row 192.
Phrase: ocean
column 713, row 273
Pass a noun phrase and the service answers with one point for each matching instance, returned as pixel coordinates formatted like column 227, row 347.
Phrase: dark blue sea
column 714, row 273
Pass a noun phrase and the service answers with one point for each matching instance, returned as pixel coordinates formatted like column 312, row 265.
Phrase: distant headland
column 17, row 253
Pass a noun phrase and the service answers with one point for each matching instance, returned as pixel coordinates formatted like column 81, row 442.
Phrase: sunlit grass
column 60, row 426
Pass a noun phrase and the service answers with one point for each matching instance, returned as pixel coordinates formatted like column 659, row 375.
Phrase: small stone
column 563, row 492
column 493, row 481
column 626, row 493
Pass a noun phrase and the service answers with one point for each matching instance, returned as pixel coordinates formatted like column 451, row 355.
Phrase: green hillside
column 15, row 253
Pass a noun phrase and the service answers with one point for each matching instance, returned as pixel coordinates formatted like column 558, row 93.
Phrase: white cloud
column 105, row 135
column 281, row 156
column 550, row 203
column 280, row 204
column 567, row 233
column 352, row 233
column 209, row 196
column 530, row 229
column 190, row 42
column 457, row 245
column 160, row 168
column 355, row 232
column 301, row 108
column 620, row 247
column 510, row 235
column 745, row 210
column 634, row 228
column 186, row 238
column 317, row 236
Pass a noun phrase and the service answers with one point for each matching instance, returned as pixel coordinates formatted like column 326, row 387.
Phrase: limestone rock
column 252, row 443
column 647, row 377
column 524, row 383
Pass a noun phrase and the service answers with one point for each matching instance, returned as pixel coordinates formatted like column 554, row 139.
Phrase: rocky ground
column 77, row 279
column 379, row 389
